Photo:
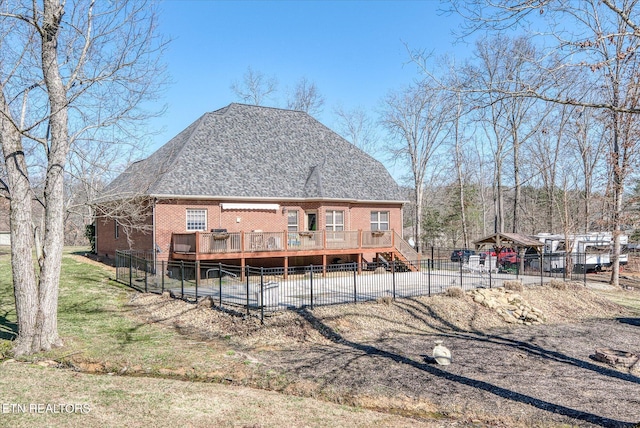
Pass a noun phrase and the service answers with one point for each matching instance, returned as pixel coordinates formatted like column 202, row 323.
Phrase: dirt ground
column 378, row 355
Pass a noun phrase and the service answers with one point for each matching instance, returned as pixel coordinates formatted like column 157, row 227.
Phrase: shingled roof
column 244, row 151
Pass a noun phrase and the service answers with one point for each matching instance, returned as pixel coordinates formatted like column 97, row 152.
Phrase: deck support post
column 324, row 265
column 286, row 267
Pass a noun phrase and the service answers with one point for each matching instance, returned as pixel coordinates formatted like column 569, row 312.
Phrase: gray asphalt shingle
column 259, row 152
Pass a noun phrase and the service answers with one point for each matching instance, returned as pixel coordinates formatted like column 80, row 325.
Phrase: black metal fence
column 269, row 289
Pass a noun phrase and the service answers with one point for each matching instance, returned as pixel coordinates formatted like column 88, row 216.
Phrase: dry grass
column 152, row 402
column 364, row 356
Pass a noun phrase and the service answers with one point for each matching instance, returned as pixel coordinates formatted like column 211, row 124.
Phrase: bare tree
column 504, row 64
column 92, row 163
column 69, row 72
column 480, row 160
column 255, row 87
column 589, row 138
column 492, row 114
column 306, row 97
column 456, row 88
column 548, row 156
column 416, row 119
column 357, row 127
column 600, row 40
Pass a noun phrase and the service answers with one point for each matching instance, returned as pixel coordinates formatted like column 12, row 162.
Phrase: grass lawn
column 100, row 337
column 94, row 327
column 118, row 401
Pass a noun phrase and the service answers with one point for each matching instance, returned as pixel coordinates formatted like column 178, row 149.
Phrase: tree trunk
column 551, row 203
column 498, row 201
column 54, row 186
column 463, row 215
column 22, row 267
column 37, row 302
column 516, row 193
column 618, row 188
column 419, row 193
column 458, row 160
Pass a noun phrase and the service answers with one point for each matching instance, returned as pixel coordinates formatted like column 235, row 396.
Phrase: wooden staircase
column 406, row 258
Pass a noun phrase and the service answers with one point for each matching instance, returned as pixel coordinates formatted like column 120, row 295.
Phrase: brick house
column 265, row 186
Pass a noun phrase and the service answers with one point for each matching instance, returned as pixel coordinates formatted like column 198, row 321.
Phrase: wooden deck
column 203, row 246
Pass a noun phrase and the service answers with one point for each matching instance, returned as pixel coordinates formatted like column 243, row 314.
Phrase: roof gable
column 248, row 151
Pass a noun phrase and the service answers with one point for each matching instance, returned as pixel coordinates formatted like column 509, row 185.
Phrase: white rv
column 590, row 252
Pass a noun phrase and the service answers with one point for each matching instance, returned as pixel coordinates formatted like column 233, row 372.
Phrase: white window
column 335, row 220
column 196, row 220
column 379, row 220
column 117, row 229
column 292, row 221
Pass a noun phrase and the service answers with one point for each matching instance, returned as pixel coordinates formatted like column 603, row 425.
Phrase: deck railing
column 377, row 238
column 407, row 251
column 251, row 242
column 340, row 240
column 184, row 242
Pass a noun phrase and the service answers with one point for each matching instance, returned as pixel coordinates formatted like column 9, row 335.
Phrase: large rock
column 511, row 306
column 616, row 357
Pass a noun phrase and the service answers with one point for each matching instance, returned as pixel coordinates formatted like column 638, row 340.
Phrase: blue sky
column 353, row 50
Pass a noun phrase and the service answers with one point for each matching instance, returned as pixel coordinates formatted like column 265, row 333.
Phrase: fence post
column 490, row 270
column 130, row 270
column 247, row 276
column 429, row 272
column 461, row 261
column 432, row 260
column 162, row 275
column 182, row 279
column 220, row 283
column 146, row 276
column 355, row 290
column 393, row 279
column 311, row 280
column 261, row 295
column 541, row 257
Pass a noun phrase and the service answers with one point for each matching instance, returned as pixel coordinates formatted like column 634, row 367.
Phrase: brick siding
column 171, row 218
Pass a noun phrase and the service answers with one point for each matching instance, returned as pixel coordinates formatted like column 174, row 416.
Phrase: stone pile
column 511, row 306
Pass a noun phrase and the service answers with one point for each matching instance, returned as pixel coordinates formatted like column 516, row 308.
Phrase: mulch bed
column 534, row 376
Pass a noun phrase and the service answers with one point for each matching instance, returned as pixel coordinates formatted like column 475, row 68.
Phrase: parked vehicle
column 589, row 252
column 461, row 255
column 507, row 255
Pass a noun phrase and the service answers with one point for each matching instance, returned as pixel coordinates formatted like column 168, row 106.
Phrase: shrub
column 90, row 234
column 557, row 284
column 513, row 285
column 454, row 292
column 386, row 300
